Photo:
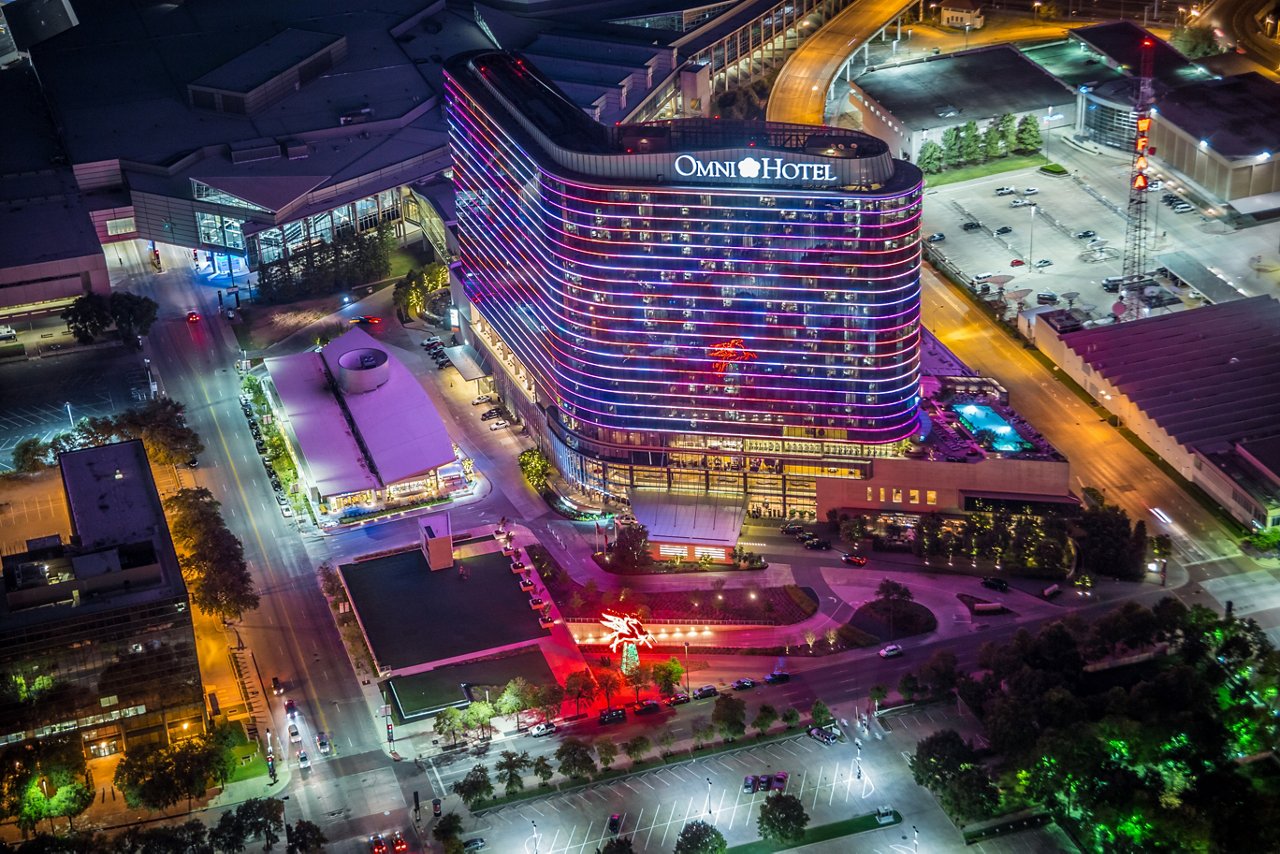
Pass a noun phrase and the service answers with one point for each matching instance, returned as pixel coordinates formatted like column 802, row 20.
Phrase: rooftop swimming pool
column 977, row 418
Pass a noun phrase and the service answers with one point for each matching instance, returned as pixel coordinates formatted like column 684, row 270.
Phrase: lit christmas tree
column 630, row 658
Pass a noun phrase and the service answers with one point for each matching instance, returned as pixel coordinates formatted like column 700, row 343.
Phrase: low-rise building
column 96, row 635
column 961, row 14
column 362, row 431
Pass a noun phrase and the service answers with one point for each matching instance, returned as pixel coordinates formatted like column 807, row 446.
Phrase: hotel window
column 882, row 493
column 931, row 498
column 870, row 496
column 897, row 496
column 124, row 225
column 914, row 496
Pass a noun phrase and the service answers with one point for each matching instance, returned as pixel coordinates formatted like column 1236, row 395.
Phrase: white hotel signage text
column 763, row 168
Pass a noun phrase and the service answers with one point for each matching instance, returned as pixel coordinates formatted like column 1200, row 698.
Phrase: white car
column 542, row 729
column 498, row 425
column 287, row 511
column 1020, row 203
column 1030, row 191
column 482, row 399
column 303, row 760
column 434, row 339
column 891, row 651
column 295, row 734
column 1043, row 262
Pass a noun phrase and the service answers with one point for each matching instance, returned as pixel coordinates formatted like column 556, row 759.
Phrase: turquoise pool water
column 977, row 418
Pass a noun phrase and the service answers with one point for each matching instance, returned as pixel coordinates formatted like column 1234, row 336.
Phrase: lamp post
column 1035, row 11
column 71, row 420
column 708, row 796
column 966, row 36
column 288, row 837
column 686, row 667
column 535, row 835
column 1031, row 241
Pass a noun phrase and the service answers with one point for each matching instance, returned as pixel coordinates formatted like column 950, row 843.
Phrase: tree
column 631, row 548
column 1028, row 139
column 939, row 758
column 877, row 695
column 607, row 750
column 262, row 818
column 478, row 715
column 535, row 467
column 791, row 717
column 992, row 143
column 474, row 787
column 608, row 681
column 698, row 837
column 636, row 748
column 730, row 716
column 144, row 778
column 667, row 675
column 970, row 143
column 666, row 738
column 31, row 455
column 305, row 837
column 87, row 317
column 581, row 687
column 930, row 158
column 782, row 819
column 1195, row 42
column 448, row 827
column 213, row 559
column 893, row 591
column 970, row 795
column 133, row 316
column 550, row 698
column 516, row 697
column 821, row 714
column 909, row 686
column 1008, row 126
column 542, row 769
column 951, row 147
column 638, row 677
column 941, row 673
column 229, row 833
column 510, row 769
column 766, row 717
column 448, row 724
column 618, row 845
column 701, row 729
column 162, row 426
column 574, row 756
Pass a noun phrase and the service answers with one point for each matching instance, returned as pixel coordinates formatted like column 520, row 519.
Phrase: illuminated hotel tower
column 699, row 305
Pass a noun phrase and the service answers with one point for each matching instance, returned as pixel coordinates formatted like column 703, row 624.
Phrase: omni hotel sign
column 755, row 168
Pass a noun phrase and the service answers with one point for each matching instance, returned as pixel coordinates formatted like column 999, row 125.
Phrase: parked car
column 791, row 528
column 766, row 782
column 819, row 734
column 434, row 339
column 1030, row 191
column 1046, row 297
column 1017, row 262
column 295, row 734
column 819, row 545
column 744, row 684
column 304, row 761
column 1020, row 203
column 777, row 678
column 678, row 699
column 1042, row 263
column 749, row 784
column 936, row 237
column 995, row 584
column 780, row 781
column 1087, row 234
column 377, row 845
column 499, row 424
column 475, row 844
column 1004, row 229
column 971, row 226
column 852, row 559
column 1005, row 191
column 705, row 691
column 544, row 728
column 891, row 651
column 398, row 842
column 615, row 823
column 647, row 707
column 609, row 716
column 481, row 400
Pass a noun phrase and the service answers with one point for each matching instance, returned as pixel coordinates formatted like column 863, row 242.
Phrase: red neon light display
column 624, row 629
column 733, row 350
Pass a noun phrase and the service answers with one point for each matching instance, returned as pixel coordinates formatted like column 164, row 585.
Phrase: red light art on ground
column 733, row 350
column 624, row 629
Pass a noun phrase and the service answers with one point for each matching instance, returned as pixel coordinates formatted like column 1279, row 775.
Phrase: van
column 1047, row 298
column 983, row 277
column 7, row 333
column 609, row 716
column 704, row 692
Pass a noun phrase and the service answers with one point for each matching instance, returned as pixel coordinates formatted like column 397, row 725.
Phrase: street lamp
column 966, row 35
column 535, row 835
column 1035, row 10
column 1031, row 242
column 69, row 418
column 708, row 796
column 686, row 668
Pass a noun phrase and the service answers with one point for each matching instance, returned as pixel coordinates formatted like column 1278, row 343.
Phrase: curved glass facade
column 643, row 314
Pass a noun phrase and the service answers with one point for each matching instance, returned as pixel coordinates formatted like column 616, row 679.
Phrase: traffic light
column 391, row 733
column 415, row 802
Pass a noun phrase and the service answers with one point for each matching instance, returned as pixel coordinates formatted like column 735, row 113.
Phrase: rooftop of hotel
column 354, row 441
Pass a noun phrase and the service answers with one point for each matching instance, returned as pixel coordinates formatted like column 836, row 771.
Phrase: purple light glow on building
column 650, row 287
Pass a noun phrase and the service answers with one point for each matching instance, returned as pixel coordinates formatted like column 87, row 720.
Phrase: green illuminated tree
column 939, row 758
column 782, row 819
column 1028, row 139
column 930, row 158
column 448, row 724
column 518, row 696
column 667, row 675
column 820, row 714
column 543, row 770
column 1195, row 42
column 699, row 837
column 535, row 467
column 970, row 143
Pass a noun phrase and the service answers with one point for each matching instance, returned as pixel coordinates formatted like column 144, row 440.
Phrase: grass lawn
column 821, row 833
column 415, row 695
column 407, row 258
column 250, row 762
column 981, row 170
